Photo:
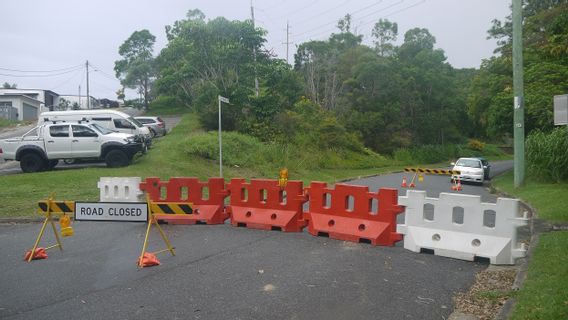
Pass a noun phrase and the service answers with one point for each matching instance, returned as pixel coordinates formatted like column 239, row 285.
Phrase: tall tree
column 136, row 69
column 385, row 32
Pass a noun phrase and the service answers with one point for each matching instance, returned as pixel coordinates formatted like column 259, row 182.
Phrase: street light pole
column 518, row 103
column 221, row 99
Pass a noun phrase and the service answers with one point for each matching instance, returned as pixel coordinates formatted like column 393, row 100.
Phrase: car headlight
column 130, row 140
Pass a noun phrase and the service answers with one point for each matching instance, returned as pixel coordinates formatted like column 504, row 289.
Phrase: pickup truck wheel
column 116, row 158
column 32, row 162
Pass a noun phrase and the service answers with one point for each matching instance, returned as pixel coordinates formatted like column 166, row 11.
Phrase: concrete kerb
column 21, row 220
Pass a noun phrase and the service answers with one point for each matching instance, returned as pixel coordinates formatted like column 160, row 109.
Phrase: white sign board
column 111, row 211
column 223, row 99
column 561, row 110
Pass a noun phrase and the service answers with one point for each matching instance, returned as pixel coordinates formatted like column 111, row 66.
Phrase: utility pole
column 88, row 94
column 256, row 89
column 518, row 89
column 287, row 43
column 80, row 104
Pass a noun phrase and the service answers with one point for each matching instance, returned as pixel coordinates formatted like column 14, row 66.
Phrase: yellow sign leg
column 166, row 240
column 150, row 221
column 56, row 235
column 39, row 236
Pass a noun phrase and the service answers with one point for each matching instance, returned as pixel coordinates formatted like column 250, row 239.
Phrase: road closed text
column 110, row 211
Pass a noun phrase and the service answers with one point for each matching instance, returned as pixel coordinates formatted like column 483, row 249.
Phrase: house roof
column 23, row 89
column 20, row 95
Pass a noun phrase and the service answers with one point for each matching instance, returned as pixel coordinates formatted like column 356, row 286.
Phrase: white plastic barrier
column 120, row 189
column 474, row 236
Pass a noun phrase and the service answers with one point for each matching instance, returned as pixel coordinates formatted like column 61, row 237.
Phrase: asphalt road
column 13, row 167
column 222, row 272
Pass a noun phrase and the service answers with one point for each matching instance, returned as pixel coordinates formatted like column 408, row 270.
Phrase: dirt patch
column 487, row 295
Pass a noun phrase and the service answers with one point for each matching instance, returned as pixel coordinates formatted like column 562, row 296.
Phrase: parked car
column 486, row 167
column 42, row 147
column 156, row 125
column 471, row 170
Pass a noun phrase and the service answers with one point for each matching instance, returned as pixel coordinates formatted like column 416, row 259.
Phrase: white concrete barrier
column 120, row 189
column 462, row 227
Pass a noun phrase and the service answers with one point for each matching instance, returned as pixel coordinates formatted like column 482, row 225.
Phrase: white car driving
column 471, row 170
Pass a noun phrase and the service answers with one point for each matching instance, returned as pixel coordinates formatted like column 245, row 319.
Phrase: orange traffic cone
column 148, row 260
column 457, row 184
column 404, row 185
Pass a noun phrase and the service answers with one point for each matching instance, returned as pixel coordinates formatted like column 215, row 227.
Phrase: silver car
column 156, row 125
column 471, row 170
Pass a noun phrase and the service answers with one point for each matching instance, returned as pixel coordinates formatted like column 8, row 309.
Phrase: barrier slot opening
column 457, row 215
column 428, row 212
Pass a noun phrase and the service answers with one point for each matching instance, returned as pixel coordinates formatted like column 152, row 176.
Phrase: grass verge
column 549, row 199
column 543, row 294
column 5, row 123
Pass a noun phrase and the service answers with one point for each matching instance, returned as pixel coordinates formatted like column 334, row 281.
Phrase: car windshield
column 100, row 129
column 136, row 122
column 145, row 121
column 471, row 163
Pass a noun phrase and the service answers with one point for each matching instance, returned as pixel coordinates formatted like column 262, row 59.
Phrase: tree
column 545, row 30
column 385, row 32
column 205, row 59
column 120, row 95
column 64, row 104
column 136, row 69
column 6, row 85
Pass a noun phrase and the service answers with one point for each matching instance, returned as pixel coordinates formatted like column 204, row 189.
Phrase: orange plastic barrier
column 208, row 198
column 345, row 213
column 264, row 204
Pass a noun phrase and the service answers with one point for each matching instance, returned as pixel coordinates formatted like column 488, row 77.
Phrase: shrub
column 475, row 144
column 547, row 155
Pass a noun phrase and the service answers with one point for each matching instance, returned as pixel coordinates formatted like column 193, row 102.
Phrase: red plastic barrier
column 208, row 207
column 349, row 215
column 262, row 204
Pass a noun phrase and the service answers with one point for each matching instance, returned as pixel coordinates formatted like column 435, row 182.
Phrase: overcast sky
column 46, row 35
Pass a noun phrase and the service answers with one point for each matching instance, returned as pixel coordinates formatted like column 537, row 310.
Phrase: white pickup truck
column 42, row 147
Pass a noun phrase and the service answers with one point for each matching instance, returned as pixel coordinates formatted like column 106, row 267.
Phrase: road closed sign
column 111, row 211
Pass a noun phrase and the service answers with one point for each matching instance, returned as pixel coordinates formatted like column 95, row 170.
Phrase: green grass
column 172, row 156
column 544, row 294
column 549, row 199
column 4, row 123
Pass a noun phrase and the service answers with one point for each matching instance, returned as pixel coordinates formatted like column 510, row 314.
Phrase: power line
column 365, row 16
column 394, row 12
column 66, row 81
column 97, row 69
column 302, row 8
column 40, row 71
column 335, row 21
column 39, row 75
